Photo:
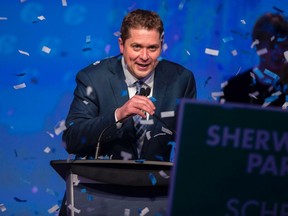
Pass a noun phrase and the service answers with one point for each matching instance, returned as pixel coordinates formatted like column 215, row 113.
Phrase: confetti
column 262, row 51
column 64, row 3
column 223, row 84
column 89, row 90
column 53, row 209
column 163, row 174
column 167, row 114
column 126, row 155
column 254, row 43
column 73, row 209
column 19, row 200
column 215, row 95
column 97, row 62
column 147, row 122
column 88, row 39
column 126, row 212
column 227, row 39
column 46, row 49
column 286, row 55
column 234, row 52
column 188, row 52
column 144, row 212
column 254, row 95
column 50, row 134
column 85, row 102
column 243, row 21
column 148, row 135
column 41, row 18
column 152, row 179
column 2, row 207
column 47, row 150
column 212, row 52
column 166, row 130
column 23, row 52
column 20, row 86
column 3, row 18
column 165, row 47
column 60, row 127
column 117, row 34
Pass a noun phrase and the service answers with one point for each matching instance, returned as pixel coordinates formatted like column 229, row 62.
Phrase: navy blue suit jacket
column 90, row 114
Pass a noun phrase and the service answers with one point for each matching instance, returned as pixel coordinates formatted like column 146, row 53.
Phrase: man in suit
column 105, row 99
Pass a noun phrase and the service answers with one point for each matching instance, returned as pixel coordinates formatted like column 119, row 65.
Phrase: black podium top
column 118, row 172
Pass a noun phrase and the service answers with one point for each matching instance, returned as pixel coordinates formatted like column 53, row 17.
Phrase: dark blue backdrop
column 81, row 33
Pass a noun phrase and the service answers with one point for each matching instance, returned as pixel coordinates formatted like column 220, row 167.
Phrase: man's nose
column 144, row 54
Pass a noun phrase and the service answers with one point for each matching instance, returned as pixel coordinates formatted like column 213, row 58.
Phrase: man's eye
column 136, row 47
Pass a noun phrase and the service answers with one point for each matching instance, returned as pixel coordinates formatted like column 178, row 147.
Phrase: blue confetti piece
column 124, row 93
column 152, row 179
column 172, row 153
column 83, row 190
column 159, row 58
column 153, row 99
column 71, row 123
column 90, row 198
column 140, row 161
column 227, row 39
column 271, row 99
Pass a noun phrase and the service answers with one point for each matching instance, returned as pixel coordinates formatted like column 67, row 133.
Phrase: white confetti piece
column 243, row 21
column 85, row 102
column 167, row 114
column 144, row 211
column 163, row 174
column 212, row 52
column 286, row 55
column 97, row 62
column 3, row 18
column 215, row 95
column 73, row 209
column 20, row 86
column 75, row 180
column 64, row 3
column 88, row 39
column 148, row 135
column 165, row 47
column 147, row 122
column 166, row 130
column 223, row 84
column 234, row 52
column 254, row 95
column 117, row 34
column 188, row 52
column 254, row 43
column 47, row 150
column 126, row 212
column 50, row 134
column 262, row 51
column 41, row 17
column 2, row 207
column 60, row 127
column 46, row 49
column 53, row 209
column 285, row 105
column 23, row 52
column 160, row 134
column 126, row 155
column 89, row 90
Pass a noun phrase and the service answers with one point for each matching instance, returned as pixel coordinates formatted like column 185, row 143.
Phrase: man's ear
column 121, row 44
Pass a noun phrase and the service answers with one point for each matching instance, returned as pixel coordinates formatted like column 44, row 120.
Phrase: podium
column 114, row 187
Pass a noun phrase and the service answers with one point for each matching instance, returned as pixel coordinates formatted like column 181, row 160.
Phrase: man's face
column 274, row 59
column 141, row 51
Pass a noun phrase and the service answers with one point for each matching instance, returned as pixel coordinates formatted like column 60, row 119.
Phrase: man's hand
column 137, row 105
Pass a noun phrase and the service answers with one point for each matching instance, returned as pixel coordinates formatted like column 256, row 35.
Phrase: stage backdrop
column 43, row 44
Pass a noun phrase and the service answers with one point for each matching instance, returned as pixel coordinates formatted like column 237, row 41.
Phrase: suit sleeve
column 83, row 123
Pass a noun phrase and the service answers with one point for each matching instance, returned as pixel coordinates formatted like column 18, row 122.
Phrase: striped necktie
column 140, row 128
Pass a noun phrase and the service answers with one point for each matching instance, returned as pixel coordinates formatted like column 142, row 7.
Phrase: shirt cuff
column 118, row 124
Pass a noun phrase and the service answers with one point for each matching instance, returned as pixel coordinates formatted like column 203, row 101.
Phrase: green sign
column 230, row 160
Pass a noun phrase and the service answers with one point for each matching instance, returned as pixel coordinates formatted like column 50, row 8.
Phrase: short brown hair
column 141, row 19
column 270, row 25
